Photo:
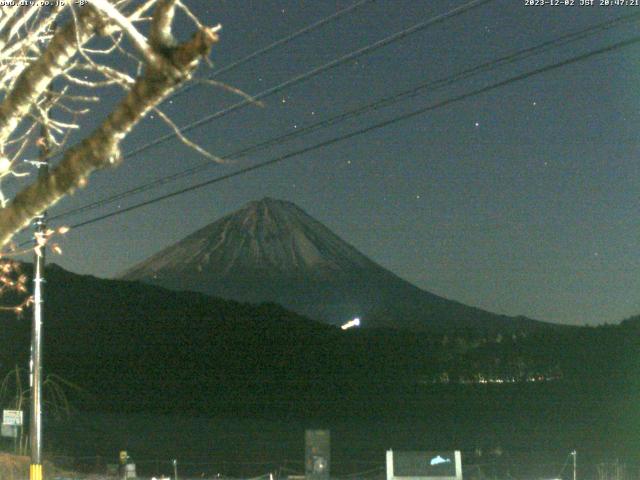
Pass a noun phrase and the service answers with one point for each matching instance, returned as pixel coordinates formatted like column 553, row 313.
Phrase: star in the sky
column 477, row 124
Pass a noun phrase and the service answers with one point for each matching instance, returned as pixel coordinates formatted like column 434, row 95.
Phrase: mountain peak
column 270, row 201
column 269, row 211
column 271, row 250
column 267, row 203
column 267, row 236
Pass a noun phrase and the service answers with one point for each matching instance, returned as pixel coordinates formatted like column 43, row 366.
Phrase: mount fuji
column 272, row 251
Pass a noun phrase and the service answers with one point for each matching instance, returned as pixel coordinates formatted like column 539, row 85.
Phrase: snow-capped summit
column 272, row 251
column 268, row 237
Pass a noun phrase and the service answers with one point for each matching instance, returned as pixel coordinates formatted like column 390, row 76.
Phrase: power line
column 283, row 41
column 278, row 43
column 376, row 126
column 384, row 102
column 315, row 71
column 350, row 56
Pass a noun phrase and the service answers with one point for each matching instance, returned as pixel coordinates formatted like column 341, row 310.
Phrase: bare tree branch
column 138, row 40
column 102, row 148
column 183, row 138
column 34, row 80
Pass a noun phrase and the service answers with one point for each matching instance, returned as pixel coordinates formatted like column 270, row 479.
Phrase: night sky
column 522, row 200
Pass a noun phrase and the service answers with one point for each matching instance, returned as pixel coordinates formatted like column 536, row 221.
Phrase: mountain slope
column 271, row 250
column 141, row 348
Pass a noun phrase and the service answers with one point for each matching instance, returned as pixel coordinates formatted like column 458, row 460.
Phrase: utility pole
column 40, row 229
column 574, row 454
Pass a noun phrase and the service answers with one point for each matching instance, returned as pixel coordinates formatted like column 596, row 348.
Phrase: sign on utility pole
column 12, row 417
column 11, row 423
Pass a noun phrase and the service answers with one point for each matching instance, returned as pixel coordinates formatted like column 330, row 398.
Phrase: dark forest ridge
column 103, row 332
column 142, row 348
column 273, row 251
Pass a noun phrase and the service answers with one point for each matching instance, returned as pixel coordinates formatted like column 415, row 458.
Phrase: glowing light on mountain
column 352, row 323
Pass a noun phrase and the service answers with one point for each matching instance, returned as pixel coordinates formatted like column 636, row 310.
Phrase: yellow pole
column 35, row 472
